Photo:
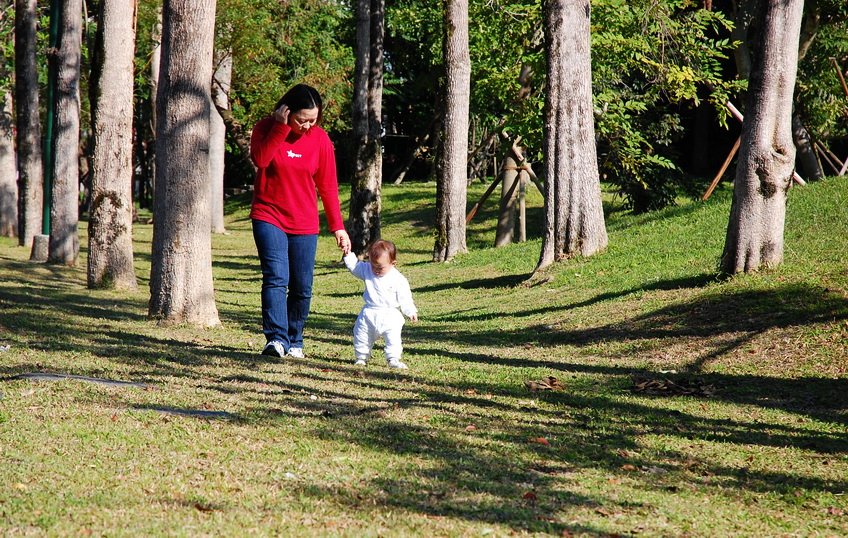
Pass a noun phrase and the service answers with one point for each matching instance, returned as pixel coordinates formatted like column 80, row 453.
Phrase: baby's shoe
column 361, row 361
column 396, row 364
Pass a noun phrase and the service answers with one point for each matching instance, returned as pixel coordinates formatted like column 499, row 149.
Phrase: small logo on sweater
column 293, row 155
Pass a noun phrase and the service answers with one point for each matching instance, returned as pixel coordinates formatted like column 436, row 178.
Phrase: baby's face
column 381, row 264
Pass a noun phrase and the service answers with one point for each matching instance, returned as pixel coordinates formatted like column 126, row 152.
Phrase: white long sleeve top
column 388, row 291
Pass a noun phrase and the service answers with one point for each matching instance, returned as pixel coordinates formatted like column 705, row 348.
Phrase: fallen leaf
column 530, row 496
column 628, row 467
column 540, row 440
column 470, row 428
column 203, row 507
column 833, row 511
column 536, row 386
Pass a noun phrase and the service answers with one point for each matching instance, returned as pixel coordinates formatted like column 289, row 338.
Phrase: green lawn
column 745, row 432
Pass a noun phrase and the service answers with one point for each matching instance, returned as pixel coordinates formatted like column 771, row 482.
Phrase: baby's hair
column 380, row 246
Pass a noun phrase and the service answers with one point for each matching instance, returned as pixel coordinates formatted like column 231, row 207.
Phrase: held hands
column 343, row 241
column 413, row 318
column 282, row 114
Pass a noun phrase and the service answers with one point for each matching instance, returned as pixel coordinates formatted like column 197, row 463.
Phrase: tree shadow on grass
column 518, row 482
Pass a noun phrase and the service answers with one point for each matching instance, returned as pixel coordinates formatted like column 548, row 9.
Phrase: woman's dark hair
column 300, row 97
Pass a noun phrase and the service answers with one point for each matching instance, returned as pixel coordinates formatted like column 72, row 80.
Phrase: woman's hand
column 282, row 114
column 343, row 241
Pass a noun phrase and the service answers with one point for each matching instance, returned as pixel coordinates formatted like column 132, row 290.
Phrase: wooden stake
column 483, row 198
column 841, row 76
column 724, row 166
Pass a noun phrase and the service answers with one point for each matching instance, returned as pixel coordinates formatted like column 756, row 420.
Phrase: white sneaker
column 360, row 362
column 397, row 365
column 274, row 349
column 296, row 352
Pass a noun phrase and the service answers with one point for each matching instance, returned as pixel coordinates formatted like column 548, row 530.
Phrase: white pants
column 373, row 323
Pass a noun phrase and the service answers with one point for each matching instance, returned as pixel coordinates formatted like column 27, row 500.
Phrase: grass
column 217, row 440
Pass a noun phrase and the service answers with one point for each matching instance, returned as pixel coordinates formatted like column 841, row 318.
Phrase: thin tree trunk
column 452, row 184
column 217, row 139
column 64, row 213
column 30, row 169
column 574, row 217
column 181, row 287
column 767, row 154
column 810, row 165
column 8, row 172
column 506, row 216
column 365, row 197
column 110, row 248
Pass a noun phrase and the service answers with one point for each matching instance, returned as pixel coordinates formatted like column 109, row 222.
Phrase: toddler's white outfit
column 380, row 316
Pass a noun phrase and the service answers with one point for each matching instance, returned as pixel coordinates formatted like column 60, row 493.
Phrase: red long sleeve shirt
column 290, row 171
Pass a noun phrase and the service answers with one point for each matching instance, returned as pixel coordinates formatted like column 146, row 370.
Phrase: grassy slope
column 454, row 446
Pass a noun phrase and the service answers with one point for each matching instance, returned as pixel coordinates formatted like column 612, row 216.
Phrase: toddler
column 386, row 290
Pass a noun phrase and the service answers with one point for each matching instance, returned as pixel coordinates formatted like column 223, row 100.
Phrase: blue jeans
column 288, row 263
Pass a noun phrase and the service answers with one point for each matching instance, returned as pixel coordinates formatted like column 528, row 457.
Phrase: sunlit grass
column 221, row 441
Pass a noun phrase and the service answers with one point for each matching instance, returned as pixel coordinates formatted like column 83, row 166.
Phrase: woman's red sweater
column 291, row 168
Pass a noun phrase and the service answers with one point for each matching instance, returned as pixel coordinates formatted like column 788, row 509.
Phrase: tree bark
column 64, row 212
column 30, row 168
column 110, row 248
column 365, row 197
column 810, row 165
column 451, row 186
column 767, row 155
column 181, row 287
column 8, row 172
column 574, row 217
column 217, row 138
column 506, row 216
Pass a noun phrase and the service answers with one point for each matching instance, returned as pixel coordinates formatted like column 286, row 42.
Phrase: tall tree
column 451, row 186
column 30, row 170
column 110, row 249
column 574, row 216
column 365, row 195
column 767, row 154
column 223, row 71
column 8, row 183
column 181, row 271
column 64, row 212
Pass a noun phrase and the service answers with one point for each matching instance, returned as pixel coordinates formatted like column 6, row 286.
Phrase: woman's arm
column 267, row 136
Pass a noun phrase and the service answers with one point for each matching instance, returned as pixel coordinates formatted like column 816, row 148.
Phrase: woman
column 294, row 157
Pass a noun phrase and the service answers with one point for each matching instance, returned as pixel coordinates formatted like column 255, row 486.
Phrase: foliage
column 819, row 95
column 648, row 60
column 7, row 46
column 277, row 45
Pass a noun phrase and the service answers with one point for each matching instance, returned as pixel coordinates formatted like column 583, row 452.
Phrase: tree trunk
column 217, row 138
column 574, row 216
column 506, row 216
column 365, row 196
column 810, row 165
column 181, row 287
column 767, row 154
column 64, row 212
column 110, row 248
column 8, row 172
column 30, row 169
column 451, row 186
column 743, row 15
